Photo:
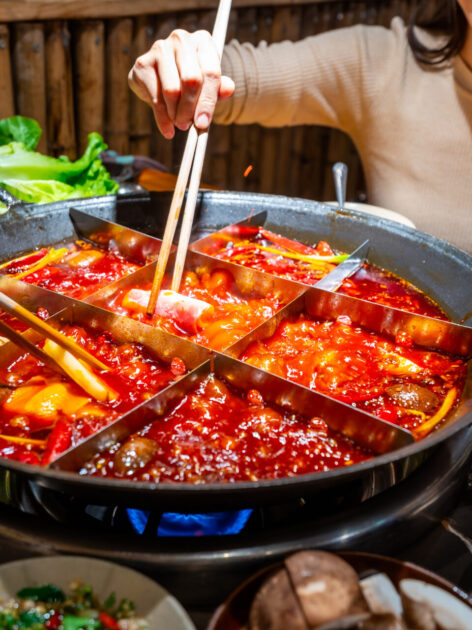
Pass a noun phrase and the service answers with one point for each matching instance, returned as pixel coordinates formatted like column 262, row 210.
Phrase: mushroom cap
column 276, row 607
column 133, row 454
column 352, row 621
column 381, row 595
column 382, row 622
column 448, row 612
column 412, row 396
column 327, row 587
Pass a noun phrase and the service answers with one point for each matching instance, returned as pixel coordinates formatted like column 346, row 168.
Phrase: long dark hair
column 444, row 17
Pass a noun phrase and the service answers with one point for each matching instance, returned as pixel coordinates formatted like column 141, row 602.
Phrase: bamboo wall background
column 70, row 74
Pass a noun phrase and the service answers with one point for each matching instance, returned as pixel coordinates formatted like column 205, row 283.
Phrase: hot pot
column 437, row 268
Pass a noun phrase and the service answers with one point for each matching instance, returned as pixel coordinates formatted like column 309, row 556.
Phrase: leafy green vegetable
column 37, row 178
column 110, row 601
column 95, row 181
column 46, row 593
column 31, row 619
column 80, row 623
column 7, row 621
column 126, row 608
column 78, row 609
column 16, row 162
column 41, row 190
column 20, row 129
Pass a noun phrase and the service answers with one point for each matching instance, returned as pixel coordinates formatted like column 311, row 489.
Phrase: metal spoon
column 340, row 171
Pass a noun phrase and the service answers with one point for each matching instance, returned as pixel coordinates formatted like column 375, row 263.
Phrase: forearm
column 321, row 80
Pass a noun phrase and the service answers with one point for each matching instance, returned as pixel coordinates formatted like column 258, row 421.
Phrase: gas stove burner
column 40, row 521
column 33, row 498
column 174, row 524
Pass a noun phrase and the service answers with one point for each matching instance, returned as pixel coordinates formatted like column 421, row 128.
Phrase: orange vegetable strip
column 19, row 259
column 53, row 255
column 425, row 428
column 19, row 440
column 287, row 243
column 312, row 260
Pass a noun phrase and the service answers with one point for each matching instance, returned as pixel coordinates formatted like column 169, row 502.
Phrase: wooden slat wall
column 7, row 105
column 70, row 73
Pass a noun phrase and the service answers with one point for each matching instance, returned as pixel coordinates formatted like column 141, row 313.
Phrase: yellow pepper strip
column 53, row 255
column 16, row 260
column 414, row 412
column 425, row 428
column 19, row 440
column 313, row 260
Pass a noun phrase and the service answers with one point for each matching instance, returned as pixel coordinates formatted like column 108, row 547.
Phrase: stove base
column 201, row 571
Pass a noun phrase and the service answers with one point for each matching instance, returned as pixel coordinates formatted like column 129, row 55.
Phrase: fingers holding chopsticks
column 180, row 77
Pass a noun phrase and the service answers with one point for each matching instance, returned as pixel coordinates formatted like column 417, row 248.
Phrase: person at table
column 403, row 94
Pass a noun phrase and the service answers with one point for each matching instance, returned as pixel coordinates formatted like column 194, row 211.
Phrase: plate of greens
column 79, row 593
column 36, row 178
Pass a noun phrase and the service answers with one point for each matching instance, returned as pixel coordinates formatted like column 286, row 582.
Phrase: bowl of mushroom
column 317, row 590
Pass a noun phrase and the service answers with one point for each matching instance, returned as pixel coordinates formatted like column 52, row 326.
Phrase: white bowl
column 376, row 210
column 155, row 604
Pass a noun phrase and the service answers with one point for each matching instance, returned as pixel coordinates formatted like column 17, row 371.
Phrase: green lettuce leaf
column 16, row 162
column 20, row 129
column 37, row 178
column 40, row 190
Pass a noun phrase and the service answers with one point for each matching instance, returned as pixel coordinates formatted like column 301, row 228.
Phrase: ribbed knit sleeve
column 329, row 79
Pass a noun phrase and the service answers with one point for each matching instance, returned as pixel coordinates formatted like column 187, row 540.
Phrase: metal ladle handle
column 340, row 180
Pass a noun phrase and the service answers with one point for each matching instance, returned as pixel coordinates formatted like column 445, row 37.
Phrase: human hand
column 180, row 77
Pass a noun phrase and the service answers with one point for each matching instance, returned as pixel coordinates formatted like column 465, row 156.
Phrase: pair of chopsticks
column 194, row 153
column 21, row 313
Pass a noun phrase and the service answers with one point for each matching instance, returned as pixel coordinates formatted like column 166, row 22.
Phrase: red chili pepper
column 254, row 397
column 29, row 457
column 242, row 230
column 54, row 622
column 324, row 249
column 108, row 621
column 177, row 367
column 59, row 441
column 42, row 312
column 287, row 243
column 403, row 339
column 387, row 413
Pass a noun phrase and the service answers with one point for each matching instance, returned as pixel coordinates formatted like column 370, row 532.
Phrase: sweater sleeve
column 329, row 79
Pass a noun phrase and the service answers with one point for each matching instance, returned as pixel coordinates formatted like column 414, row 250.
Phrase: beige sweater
column 411, row 125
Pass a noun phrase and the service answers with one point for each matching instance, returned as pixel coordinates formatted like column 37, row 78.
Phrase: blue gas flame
column 210, row 524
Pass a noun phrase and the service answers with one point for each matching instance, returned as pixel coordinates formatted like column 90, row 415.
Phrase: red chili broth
column 135, row 375
column 218, row 434
column 75, row 281
column 369, row 283
column 358, row 366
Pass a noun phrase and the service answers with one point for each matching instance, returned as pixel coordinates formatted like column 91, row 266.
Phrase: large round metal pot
column 441, row 270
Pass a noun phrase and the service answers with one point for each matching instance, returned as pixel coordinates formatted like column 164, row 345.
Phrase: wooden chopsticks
column 23, row 342
column 194, row 152
column 31, row 320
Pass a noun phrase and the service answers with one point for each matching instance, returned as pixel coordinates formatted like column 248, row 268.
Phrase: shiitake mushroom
column 317, row 590
column 276, row 607
column 135, row 453
column 314, row 589
column 382, row 622
column 412, row 396
column 326, row 586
